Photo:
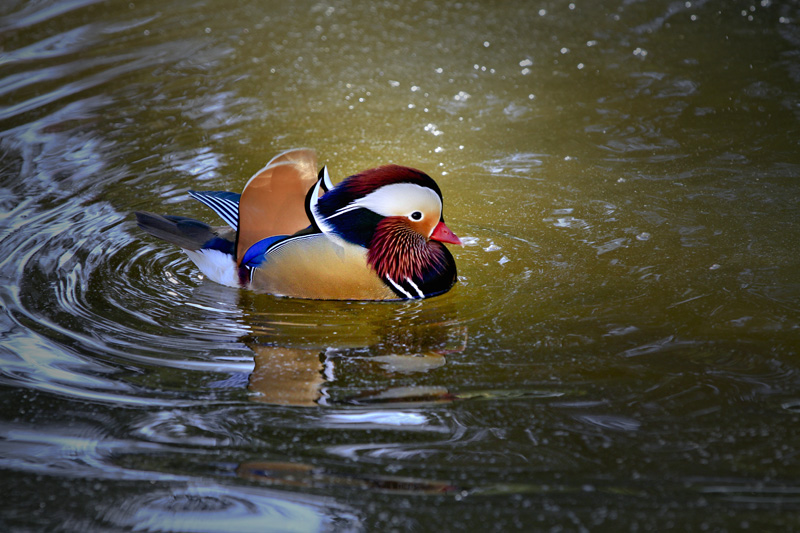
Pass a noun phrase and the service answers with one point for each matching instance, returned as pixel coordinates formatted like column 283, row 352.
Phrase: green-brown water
column 621, row 352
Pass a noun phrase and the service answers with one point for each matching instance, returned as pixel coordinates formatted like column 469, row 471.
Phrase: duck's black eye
column 416, row 215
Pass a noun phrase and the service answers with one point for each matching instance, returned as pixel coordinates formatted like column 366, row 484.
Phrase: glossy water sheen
column 621, row 351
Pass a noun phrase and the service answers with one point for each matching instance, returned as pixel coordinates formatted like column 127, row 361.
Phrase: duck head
column 395, row 213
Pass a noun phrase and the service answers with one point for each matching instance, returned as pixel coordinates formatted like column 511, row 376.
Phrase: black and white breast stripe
column 225, row 204
column 405, row 288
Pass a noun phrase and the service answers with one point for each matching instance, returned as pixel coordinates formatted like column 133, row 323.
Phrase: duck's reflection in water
column 358, row 365
column 367, row 367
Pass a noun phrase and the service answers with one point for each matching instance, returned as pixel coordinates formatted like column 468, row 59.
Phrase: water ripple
column 213, row 508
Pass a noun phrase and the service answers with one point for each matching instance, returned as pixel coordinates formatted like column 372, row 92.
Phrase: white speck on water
column 491, row 248
column 526, row 63
column 542, row 12
column 644, row 236
column 394, row 83
column 504, row 260
column 715, row 266
column 525, row 71
column 462, row 96
column 431, row 128
column 486, row 44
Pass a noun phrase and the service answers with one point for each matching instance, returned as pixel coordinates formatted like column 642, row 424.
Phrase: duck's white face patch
column 401, row 200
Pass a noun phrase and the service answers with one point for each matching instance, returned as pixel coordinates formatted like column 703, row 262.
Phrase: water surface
column 621, row 350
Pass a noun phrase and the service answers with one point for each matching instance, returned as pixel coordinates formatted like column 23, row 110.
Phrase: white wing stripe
column 228, row 210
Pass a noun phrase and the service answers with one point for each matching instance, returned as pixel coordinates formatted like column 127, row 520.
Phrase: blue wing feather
column 254, row 255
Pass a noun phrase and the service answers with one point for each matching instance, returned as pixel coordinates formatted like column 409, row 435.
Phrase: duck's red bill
column 442, row 233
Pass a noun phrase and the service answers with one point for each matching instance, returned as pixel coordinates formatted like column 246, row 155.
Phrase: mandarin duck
column 377, row 235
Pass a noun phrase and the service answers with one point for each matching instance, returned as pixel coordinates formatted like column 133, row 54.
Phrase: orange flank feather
column 273, row 201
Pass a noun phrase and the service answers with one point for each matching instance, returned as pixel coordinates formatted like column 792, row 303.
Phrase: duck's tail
column 211, row 249
column 188, row 233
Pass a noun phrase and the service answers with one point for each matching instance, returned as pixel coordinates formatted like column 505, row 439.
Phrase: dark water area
column 620, row 352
